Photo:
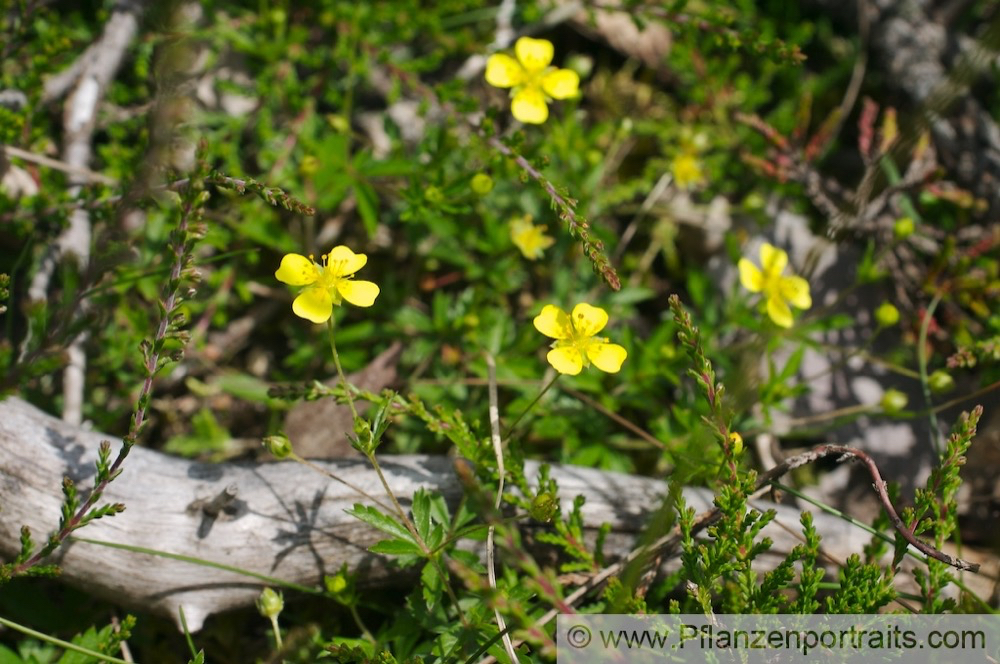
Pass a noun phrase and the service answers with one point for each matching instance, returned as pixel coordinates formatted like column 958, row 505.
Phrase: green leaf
column 387, row 524
column 367, row 200
column 8, row 656
column 92, row 640
column 431, row 585
column 396, row 547
column 422, row 513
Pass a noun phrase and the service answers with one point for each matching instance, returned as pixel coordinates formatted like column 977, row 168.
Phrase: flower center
column 772, row 281
column 581, row 344
column 331, row 275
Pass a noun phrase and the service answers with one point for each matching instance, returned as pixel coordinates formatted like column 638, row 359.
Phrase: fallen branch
column 273, row 520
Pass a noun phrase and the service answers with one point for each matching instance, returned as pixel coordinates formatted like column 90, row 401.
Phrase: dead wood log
column 276, row 519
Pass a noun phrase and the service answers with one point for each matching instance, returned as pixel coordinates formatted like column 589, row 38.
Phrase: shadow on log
column 277, row 519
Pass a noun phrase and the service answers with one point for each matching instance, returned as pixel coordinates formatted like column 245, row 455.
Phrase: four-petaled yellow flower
column 532, row 80
column 686, row 169
column 530, row 239
column 575, row 345
column 327, row 284
column 778, row 290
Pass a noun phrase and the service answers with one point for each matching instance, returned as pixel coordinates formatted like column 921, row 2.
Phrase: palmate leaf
column 387, row 524
column 396, row 547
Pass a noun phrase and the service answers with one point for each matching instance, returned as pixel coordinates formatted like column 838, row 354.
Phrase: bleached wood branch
column 277, row 519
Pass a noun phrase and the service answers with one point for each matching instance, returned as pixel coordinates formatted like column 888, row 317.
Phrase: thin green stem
column 370, row 455
column 270, row 580
column 323, row 471
column 846, row 411
column 922, row 359
column 277, row 632
column 187, row 632
column 340, row 369
column 361, row 624
column 59, row 642
column 531, row 405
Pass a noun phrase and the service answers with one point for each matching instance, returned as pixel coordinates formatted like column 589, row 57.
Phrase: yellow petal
column 297, row 270
column 532, row 241
column 529, row 106
column 589, row 320
column 606, row 357
column 554, row 322
column 520, row 224
column 565, row 360
column 358, row 293
column 534, row 54
column 342, row 262
column 561, row 83
column 503, row 71
column 796, row 291
column 778, row 310
column 772, row 259
column 750, row 276
column 314, row 304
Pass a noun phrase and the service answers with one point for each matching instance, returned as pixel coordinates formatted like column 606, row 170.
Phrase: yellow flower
column 780, row 291
column 532, row 80
column 575, row 345
column 686, row 170
column 530, row 239
column 328, row 284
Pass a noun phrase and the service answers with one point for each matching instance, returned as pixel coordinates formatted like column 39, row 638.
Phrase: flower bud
column 278, row 445
column 893, row 402
column 309, row 165
column 481, row 183
column 336, row 584
column 903, row 228
column 341, row 587
column 433, row 195
column 736, row 440
column 940, row 381
column 887, row 314
column 270, row 603
column 543, row 507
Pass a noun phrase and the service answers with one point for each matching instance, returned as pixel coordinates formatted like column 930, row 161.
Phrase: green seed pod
column 278, row 445
column 887, row 314
column 941, row 381
column 893, row 402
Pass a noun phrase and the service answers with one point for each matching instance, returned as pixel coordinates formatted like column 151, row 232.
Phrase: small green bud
column 270, row 603
column 339, row 123
column 309, row 165
column 278, row 445
column 544, row 507
column 341, row 587
column 903, row 228
column 893, row 402
column 481, row 183
column 887, row 314
column 941, row 381
column 336, row 584
column 433, row 195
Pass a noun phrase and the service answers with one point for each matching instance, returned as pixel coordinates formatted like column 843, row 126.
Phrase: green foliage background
column 308, row 77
